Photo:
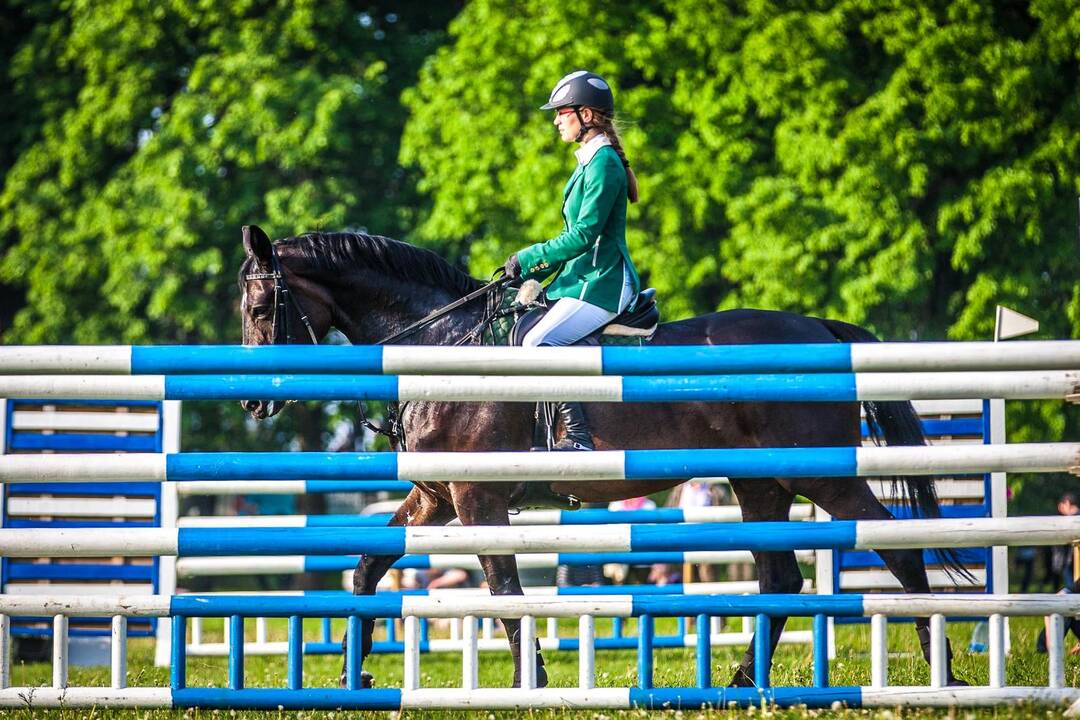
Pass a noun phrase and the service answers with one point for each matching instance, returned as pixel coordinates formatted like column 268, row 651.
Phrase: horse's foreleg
column 418, row 508
column 479, row 504
column 502, row 577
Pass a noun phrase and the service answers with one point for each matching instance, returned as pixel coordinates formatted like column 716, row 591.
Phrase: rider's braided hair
column 605, row 123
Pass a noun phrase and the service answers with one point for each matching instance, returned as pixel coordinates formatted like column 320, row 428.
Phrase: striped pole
column 817, row 387
column 755, row 536
column 524, row 466
column 414, row 360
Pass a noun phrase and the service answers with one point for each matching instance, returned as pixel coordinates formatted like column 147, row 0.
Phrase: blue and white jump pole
column 438, row 360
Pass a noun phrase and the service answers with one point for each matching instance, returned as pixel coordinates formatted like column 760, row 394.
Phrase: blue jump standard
column 823, row 387
column 210, row 542
column 638, row 464
column 366, row 359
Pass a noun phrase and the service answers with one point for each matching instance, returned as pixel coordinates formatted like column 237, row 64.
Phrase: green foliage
column 146, row 134
column 903, row 166
column 160, row 128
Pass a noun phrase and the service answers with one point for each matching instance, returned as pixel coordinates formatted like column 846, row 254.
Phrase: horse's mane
column 343, row 251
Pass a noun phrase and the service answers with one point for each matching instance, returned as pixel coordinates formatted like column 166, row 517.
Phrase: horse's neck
column 375, row 307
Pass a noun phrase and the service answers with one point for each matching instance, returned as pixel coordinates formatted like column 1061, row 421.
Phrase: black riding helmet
column 582, row 88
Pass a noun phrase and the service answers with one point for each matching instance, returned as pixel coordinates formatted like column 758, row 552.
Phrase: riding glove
column 512, row 268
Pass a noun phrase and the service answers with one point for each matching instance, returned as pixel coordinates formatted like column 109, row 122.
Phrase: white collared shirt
column 585, row 153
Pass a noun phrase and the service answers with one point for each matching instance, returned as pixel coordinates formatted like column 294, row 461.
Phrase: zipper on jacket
column 595, row 250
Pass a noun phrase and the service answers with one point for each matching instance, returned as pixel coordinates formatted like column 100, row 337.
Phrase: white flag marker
column 1012, row 324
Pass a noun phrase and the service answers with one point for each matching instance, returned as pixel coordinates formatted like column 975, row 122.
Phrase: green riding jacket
column 588, row 257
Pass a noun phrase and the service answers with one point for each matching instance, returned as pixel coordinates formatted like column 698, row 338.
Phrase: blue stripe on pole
column 749, row 462
column 596, row 516
column 698, row 359
column 368, row 606
column 280, row 466
column 206, row 542
column 742, row 605
column 275, row 698
column 281, row 387
column 743, row 388
column 695, row 698
column 161, row 360
column 839, row 534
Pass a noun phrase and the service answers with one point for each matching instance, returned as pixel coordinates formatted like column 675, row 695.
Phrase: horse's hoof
column 367, row 680
column 741, row 679
column 957, row 682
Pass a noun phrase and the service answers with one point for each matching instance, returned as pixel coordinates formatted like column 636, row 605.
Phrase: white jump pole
column 118, row 647
column 470, row 656
column 879, row 651
column 586, row 652
column 60, row 651
column 938, row 655
column 528, row 652
column 997, row 651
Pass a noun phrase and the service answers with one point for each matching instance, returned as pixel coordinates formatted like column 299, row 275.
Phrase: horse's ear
column 257, row 244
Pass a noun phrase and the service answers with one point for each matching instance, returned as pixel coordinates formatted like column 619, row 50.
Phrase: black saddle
column 639, row 322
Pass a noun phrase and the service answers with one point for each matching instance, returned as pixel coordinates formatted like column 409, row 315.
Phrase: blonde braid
column 606, row 124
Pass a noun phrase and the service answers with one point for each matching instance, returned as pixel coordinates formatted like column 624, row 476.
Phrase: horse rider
column 592, row 276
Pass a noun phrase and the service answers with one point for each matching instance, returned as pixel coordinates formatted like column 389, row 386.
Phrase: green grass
column 792, row 666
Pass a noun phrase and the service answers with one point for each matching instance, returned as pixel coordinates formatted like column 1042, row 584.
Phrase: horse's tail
column 896, row 423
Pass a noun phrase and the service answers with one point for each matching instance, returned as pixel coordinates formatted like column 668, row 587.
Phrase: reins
column 444, row 310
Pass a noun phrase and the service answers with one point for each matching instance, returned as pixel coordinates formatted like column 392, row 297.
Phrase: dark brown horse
column 371, row 287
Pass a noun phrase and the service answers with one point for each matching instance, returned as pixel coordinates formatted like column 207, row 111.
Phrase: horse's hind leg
column 418, row 508
column 778, row 572
column 479, row 504
column 853, row 500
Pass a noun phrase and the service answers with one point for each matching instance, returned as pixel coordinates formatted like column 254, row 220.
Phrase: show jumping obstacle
column 847, row 372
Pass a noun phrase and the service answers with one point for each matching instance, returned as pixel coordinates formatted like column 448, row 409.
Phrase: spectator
column 1071, row 623
column 1061, row 558
column 619, row 573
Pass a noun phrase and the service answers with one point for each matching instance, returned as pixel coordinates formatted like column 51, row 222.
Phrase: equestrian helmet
column 581, row 89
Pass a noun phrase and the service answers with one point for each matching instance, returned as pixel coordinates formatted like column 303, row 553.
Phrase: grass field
column 792, row 666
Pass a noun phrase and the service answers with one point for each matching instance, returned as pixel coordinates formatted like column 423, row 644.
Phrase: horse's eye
column 260, row 312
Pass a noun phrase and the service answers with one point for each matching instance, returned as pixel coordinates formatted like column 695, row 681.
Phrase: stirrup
column 567, row 444
column 540, row 496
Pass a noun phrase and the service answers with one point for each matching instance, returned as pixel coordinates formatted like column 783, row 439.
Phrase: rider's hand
column 512, row 268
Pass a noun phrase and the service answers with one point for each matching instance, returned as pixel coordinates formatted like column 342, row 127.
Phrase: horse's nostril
column 250, row 405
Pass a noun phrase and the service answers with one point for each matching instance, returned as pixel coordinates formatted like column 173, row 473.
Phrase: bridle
column 282, row 328
column 283, row 299
column 282, row 333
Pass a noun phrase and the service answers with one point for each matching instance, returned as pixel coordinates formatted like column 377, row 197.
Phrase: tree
column 896, row 165
column 139, row 137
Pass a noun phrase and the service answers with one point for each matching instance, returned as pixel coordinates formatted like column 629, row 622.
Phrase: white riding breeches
column 570, row 319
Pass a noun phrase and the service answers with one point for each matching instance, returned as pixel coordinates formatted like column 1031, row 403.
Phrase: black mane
column 334, row 252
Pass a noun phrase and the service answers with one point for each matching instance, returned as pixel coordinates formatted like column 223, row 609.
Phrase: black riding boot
column 578, row 437
column 578, row 433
